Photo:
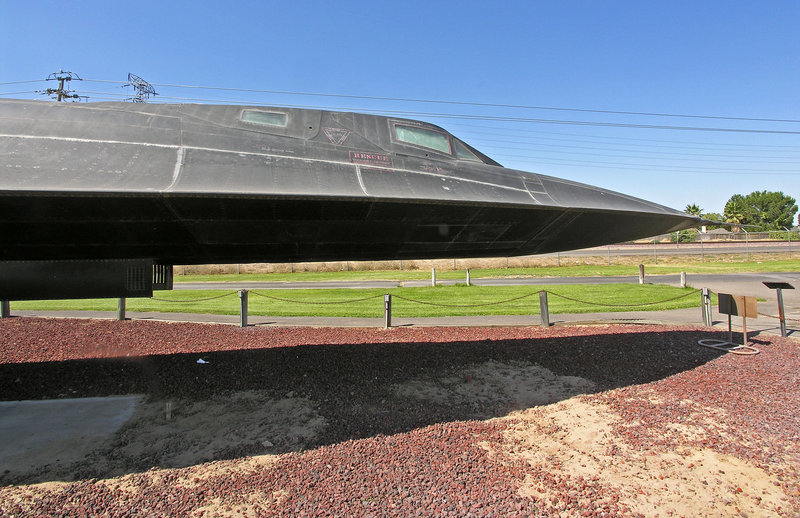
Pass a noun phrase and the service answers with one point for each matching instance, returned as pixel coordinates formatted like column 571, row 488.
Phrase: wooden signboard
column 738, row 305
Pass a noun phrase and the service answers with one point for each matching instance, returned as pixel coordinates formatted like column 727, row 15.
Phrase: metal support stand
column 779, row 287
column 781, row 314
column 243, row 308
column 5, row 309
column 469, row 281
column 121, row 308
column 544, row 311
column 706, row 307
column 387, row 311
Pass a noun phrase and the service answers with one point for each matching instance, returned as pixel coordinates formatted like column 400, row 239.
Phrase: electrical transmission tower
column 142, row 89
column 63, row 79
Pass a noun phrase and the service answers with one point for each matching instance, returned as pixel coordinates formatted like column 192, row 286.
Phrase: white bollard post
column 468, row 279
column 433, row 277
column 683, row 279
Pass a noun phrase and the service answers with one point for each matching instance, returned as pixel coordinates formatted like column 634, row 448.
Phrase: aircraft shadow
column 276, row 400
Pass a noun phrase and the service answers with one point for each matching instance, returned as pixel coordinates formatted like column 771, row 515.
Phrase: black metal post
column 387, row 311
column 243, row 308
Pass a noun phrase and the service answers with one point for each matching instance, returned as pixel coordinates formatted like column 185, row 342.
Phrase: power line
column 470, row 103
column 646, row 167
column 528, row 145
column 22, row 82
column 582, row 138
column 496, row 105
column 499, row 118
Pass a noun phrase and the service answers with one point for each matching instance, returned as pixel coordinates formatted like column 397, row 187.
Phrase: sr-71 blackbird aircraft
column 100, row 199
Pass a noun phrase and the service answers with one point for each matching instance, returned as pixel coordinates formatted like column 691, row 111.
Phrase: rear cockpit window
column 265, row 118
column 424, row 137
column 463, row 152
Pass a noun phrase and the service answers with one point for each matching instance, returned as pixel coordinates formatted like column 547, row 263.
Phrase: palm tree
column 693, row 209
column 736, row 218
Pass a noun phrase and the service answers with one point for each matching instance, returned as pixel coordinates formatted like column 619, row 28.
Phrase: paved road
column 665, row 249
column 738, row 283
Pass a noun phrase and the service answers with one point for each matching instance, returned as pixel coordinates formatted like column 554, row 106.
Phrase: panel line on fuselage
column 176, row 173
column 361, row 181
column 250, row 153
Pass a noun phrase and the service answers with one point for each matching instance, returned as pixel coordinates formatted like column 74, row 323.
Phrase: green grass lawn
column 583, row 270
column 345, row 303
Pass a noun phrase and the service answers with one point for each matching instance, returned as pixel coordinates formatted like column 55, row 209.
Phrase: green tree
column 693, row 209
column 765, row 210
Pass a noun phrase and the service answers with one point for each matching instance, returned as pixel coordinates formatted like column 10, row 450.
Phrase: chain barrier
column 439, row 304
column 196, row 300
column 778, row 318
column 625, row 305
column 315, row 303
column 551, row 293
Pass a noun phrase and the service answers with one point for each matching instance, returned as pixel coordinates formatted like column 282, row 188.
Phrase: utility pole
column 63, row 79
column 142, row 89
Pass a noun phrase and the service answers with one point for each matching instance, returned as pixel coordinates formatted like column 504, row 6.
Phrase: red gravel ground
column 668, row 429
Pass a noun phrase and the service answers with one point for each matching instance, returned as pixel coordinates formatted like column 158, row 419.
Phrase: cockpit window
column 424, row 137
column 265, row 118
column 463, row 152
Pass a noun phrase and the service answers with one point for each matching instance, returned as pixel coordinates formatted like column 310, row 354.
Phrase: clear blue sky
column 720, row 58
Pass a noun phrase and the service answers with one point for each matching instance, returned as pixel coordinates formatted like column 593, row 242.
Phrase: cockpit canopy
column 412, row 137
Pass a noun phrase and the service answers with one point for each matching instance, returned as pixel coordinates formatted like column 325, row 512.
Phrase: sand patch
column 576, row 439
column 198, row 431
column 520, row 384
column 187, row 433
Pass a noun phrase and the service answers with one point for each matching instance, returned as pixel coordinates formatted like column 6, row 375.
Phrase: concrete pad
column 58, row 431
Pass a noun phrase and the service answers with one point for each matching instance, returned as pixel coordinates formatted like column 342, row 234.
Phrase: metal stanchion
column 706, row 307
column 544, row 311
column 243, row 308
column 121, row 308
column 779, row 287
column 387, row 311
column 5, row 309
